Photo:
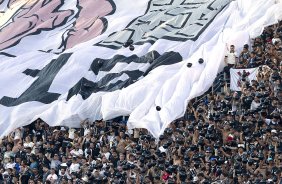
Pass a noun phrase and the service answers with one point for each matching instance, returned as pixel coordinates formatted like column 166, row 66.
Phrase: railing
column 215, row 88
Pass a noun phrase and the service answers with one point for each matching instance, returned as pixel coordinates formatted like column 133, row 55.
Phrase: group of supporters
column 231, row 137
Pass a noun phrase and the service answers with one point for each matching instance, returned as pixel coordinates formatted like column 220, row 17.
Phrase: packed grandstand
column 224, row 137
column 231, row 134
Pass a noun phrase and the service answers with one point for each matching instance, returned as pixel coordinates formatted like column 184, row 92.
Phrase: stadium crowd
column 227, row 137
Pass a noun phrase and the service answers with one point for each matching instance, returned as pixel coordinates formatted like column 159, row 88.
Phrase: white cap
column 130, row 131
column 94, row 171
column 162, row 149
column 63, row 129
column 87, row 131
column 10, row 165
column 195, row 178
column 17, row 137
column 85, row 178
column 274, row 131
column 128, row 148
column 64, row 165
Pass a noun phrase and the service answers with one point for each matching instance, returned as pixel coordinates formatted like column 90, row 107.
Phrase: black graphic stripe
column 38, row 91
column 85, row 87
column 7, row 54
column 172, row 30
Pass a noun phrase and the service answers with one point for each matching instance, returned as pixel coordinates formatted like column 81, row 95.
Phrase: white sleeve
column 267, row 121
column 252, row 105
column 85, row 152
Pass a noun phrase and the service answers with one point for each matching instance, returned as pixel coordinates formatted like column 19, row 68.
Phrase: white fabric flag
column 239, row 76
column 65, row 61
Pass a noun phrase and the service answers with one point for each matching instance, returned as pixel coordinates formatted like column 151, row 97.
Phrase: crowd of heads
column 226, row 137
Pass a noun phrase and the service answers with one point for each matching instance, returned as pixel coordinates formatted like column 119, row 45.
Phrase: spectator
column 33, row 162
column 253, row 61
column 245, row 54
column 52, row 177
column 63, row 173
column 55, row 162
column 230, row 58
column 46, row 173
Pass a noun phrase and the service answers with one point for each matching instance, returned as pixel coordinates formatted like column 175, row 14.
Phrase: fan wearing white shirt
column 52, row 176
column 231, row 56
column 28, row 142
column 230, row 59
column 64, row 173
column 77, row 151
column 255, row 103
column 74, row 167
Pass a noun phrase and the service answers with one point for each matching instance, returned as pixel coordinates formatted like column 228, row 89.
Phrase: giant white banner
column 65, row 61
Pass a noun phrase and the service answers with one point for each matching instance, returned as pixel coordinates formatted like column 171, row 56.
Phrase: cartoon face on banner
column 176, row 20
column 30, row 17
column 24, row 18
column 90, row 22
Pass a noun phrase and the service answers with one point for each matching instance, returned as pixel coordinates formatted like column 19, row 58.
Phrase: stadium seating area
column 225, row 137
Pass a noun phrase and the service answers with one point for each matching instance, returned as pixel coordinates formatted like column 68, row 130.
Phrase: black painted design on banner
column 85, row 87
column 112, row 81
column 106, row 65
column 7, row 54
column 30, row 72
column 176, row 20
column 38, row 90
